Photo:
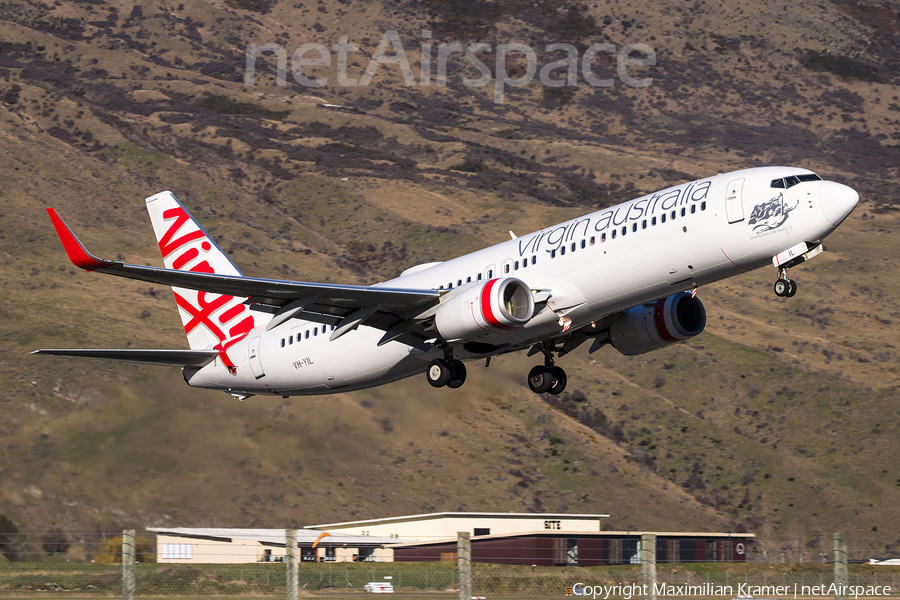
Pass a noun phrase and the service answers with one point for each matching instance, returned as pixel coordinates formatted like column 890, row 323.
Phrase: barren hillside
column 777, row 419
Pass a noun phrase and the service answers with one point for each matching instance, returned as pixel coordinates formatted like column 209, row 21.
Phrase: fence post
column 840, row 565
column 290, row 559
column 464, row 560
column 128, row 585
column 648, row 565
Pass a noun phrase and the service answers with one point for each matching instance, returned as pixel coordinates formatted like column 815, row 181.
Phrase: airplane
column 625, row 276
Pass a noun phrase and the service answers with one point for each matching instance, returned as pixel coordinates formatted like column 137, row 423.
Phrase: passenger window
column 516, row 266
column 307, row 334
column 291, row 340
column 593, row 240
column 573, row 246
column 683, row 211
column 478, row 277
column 450, row 286
column 524, row 263
column 583, row 244
column 614, row 234
column 693, row 208
column 644, row 224
column 634, row 227
column 703, row 205
column 662, row 219
column 553, row 254
column 490, row 273
column 533, row 259
column 468, row 280
column 506, row 268
column 440, row 288
column 315, row 331
column 778, row 183
column 653, row 221
column 673, row 214
column 624, row 230
column 562, row 250
column 459, row 283
column 282, row 342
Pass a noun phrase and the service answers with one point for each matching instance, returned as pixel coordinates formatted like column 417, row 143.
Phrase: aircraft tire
column 457, row 374
column 539, row 379
column 559, row 381
column 438, row 373
column 792, row 289
column 781, row 287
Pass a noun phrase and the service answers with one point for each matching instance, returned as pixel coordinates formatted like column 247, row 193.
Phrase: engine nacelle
column 650, row 326
column 496, row 306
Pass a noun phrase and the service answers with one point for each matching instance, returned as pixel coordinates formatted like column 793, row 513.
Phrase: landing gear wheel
column 559, row 381
column 782, row 287
column 439, row 373
column 539, row 379
column 457, row 374
column 793, row 289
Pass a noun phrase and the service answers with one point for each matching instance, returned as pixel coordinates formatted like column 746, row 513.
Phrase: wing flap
column 176, row 358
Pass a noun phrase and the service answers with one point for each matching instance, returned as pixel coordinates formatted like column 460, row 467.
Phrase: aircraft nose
column 836, row 200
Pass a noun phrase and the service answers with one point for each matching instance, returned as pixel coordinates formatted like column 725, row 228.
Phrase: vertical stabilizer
column 210, row 320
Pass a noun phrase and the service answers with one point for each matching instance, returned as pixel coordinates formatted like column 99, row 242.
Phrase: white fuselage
column 593, row 266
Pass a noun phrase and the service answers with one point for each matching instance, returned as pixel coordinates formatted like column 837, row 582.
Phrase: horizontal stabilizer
column 177, row 358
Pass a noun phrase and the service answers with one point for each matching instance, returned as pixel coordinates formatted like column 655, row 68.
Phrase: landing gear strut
column 784, row 287
column 547, row 377
column 446, row 371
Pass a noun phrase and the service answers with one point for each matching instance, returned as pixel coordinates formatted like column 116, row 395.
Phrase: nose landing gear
column 784, row 287
column 802, row 252
column 547, row 377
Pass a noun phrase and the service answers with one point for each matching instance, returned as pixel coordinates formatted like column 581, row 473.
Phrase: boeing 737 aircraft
column 625, row 276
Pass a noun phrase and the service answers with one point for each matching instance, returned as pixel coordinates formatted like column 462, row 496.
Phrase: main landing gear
column 446, row 371
column 547, row 377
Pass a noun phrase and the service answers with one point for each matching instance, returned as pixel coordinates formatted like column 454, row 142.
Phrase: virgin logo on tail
column 197, row 305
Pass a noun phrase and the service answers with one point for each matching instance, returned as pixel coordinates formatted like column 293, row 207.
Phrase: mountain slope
column 775, row 420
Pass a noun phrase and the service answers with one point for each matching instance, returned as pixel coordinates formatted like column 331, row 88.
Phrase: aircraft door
column 734, row 204
column 255, row 363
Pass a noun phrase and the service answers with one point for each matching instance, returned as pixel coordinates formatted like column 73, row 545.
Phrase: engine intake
column 650, row 326
column 496, row 306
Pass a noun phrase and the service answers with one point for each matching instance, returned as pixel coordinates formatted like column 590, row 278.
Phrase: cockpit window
column 794, row 180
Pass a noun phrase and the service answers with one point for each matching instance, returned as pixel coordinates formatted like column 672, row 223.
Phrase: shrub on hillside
column 110, row 551
column 10, row 540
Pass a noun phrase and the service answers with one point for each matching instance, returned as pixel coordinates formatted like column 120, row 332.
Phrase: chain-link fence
column 91, row 565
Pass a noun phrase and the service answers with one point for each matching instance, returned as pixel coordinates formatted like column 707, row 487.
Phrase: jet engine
column 649, row 326
column 495, row 306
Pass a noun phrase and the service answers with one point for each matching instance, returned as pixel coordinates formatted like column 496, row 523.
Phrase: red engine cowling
column 496, row 306
column 650, row 326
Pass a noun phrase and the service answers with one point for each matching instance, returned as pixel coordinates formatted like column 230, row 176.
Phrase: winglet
column 78, row 254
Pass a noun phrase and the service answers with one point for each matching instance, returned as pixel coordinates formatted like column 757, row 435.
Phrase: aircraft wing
column 345, row 306
column 178, row 358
